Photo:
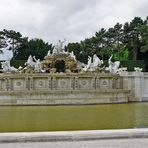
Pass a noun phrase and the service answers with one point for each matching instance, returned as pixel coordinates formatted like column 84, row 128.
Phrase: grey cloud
column 74, row 20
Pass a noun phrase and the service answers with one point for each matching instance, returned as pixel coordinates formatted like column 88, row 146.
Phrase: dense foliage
column 22, row 47
column 128, row 41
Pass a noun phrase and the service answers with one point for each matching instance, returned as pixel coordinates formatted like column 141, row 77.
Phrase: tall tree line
column 22, row 47
column 128, row 41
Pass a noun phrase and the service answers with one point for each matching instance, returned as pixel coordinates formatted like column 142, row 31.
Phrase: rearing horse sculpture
column 113, row 66
column 30, row 62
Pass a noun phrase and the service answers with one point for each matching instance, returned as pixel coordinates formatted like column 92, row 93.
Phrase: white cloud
column 74, row 20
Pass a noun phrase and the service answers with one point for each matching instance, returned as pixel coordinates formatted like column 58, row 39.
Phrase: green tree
column 101, row 42
column 23, row 51
column 38, row 47
column 14, row 39
column 144, row 36
column 110, row 45
column 118, row 36
column 124, row 55
column 132, row 36
column 76, row 48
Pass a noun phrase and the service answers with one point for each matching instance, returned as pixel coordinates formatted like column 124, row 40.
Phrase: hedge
column 17, row 63
column 146, row 65
column 131, row 64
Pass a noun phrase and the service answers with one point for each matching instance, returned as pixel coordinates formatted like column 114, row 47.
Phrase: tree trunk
column 135, row 52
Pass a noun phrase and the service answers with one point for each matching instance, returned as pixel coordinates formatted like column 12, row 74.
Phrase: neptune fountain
column 33, row 65
column 61, row 79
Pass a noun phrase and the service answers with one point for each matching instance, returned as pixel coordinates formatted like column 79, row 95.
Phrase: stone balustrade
column 41, row 82
column 53, row 89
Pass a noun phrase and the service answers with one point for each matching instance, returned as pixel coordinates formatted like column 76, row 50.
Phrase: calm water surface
column 87, row 117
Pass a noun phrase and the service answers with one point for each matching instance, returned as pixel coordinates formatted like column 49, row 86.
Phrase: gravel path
column 107, row 143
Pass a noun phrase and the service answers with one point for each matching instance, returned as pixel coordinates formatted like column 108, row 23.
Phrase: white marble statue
column 58, row 48
column 34, row 63
column 38, row 65
column 55, row 50
column 113, row 66
column 137, row 69
column 6, row 67
column 72, row 55
column 122, row 70
column 96, row 62
column 30, row 62
column 92, row 66
column 89, row 62
column 49, row 53
column 60, row 45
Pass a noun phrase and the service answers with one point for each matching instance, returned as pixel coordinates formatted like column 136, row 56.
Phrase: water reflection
column 88, row 117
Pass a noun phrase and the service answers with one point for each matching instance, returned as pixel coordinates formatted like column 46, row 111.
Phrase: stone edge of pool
column 73, row 135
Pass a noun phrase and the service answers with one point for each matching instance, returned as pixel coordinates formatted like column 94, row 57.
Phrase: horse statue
column 30, row 62
column 34, row 64
column 96, row 62
column 6, row 67
column 113, row 66
column 92, row 66
column 88, row 64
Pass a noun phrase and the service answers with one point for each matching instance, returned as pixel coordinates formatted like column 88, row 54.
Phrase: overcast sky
column 73, row 20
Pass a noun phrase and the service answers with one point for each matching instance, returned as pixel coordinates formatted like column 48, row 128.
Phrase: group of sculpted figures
column 58, row 49
column 36, row 65
column 32, row 63
column 96, row 63
column 93, row 63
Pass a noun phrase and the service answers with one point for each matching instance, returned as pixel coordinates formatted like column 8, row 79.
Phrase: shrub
column 130, row 64
column 17, row 63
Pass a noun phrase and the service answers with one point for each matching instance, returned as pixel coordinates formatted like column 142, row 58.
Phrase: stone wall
column 44, row 89
column 137, row 82
column 30, row 82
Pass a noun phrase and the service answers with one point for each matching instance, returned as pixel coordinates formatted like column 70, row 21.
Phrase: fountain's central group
column 61, row 61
